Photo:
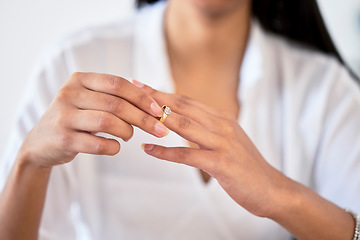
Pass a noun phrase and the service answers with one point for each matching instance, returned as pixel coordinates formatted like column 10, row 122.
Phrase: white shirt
column 301, row 109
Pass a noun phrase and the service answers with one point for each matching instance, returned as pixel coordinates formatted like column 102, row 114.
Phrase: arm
column 22, row 200
column 307, row 215
column 88, row 103
column 227, row 154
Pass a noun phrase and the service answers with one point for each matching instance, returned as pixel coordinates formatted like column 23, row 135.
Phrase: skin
column 201, row 52
column 86, row 104
column 207, row 29
column 226, row 153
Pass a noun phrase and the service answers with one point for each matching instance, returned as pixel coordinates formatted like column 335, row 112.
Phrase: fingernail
column 156, row 109
column 161, row 129
column 147, row 147
column 136, row 83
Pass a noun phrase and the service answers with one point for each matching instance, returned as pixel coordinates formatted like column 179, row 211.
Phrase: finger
column 192, row 131
column 97, row 121
column 120, row 87
column 201, row 159
column 91, row 100
column 185, row 105
column 192, row 109
column 82, row 142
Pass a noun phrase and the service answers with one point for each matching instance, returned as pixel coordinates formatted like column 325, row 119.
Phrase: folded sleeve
column 57, row 220
column 337, row 165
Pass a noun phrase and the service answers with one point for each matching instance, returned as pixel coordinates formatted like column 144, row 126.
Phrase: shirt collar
column 252, row 65
column 151, row 64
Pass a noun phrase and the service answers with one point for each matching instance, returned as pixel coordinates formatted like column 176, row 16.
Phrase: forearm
column 308, row 216
column 22, row 200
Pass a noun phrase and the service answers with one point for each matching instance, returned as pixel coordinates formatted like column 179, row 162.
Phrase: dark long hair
column 298, row 20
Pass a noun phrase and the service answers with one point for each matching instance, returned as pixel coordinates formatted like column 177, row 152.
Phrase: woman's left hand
column 225, row 152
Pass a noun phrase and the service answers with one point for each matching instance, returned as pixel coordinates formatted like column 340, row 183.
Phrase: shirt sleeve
column 56, row 221
column 337, row 165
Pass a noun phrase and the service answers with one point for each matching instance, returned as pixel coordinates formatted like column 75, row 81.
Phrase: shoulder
column 101, row 36
column 111, row 35
column 317, row 93
column 104, row 48
column 93, row 47
column 303, row 71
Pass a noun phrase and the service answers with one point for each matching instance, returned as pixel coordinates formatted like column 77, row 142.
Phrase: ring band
column 166, row 112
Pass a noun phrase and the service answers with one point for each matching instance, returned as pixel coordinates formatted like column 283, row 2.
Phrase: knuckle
column 64, row 94
column 182, row 101
column 100, row 147
column 104, row 121
column 183, row 153
column 76, row 75
column 111, row 104
column 114, row 105
column 146, row 121
column 78, row 78
column 115, row 82
column 228, row 128
column 65, row 140
column 184, row 122
column 143, row 98
column 152, row 92
column 159, row 152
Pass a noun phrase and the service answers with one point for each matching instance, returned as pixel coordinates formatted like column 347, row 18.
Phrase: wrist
column 26, row 160
column 287, row 198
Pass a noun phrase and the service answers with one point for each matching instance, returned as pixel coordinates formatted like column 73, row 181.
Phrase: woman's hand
column 89, row 103
column 227, row 154
column 225, row 151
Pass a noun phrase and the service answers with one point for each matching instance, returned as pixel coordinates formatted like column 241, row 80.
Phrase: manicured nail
column 161, row 129
column 147, row 147
column 136, row 83
column 156, row 109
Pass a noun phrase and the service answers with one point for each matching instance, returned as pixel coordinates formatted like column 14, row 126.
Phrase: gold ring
column 166, row 112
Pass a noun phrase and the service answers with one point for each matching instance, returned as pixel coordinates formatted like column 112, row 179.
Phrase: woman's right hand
column 89, row 103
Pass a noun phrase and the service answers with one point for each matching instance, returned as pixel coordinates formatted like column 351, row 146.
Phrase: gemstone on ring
column 167, row 110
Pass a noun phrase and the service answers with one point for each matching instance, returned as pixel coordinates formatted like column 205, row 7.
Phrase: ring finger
column 192, row 131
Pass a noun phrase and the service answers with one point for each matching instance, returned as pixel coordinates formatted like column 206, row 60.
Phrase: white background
column 29, row 27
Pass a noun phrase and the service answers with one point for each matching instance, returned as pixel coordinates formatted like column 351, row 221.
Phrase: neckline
column 152, row 64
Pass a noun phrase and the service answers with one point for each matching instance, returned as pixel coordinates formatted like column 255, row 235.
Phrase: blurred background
column 29, row 27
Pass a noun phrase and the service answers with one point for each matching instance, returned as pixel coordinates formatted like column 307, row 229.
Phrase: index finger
column 119, row 87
